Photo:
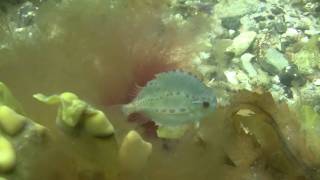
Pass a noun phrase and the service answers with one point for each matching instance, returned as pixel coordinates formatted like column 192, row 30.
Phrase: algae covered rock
column 7, row 155
column 75, row 114
column 307, row 58
column 134, row 152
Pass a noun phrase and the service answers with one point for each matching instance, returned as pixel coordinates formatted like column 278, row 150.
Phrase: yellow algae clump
column 10, row 121
column 7, row 155
column 75, row 113
column 98, row 124
column 70, row 110
column 134, row 152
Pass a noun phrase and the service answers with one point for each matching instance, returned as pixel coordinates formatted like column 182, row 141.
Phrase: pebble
column 274, row 61
column 231, row 22
column 247, row 66
column 280, row 27
column 242, row 42
column 277, row 10
column 290, row 75
column 231, row 77
column 292, row 32
column 316, row 82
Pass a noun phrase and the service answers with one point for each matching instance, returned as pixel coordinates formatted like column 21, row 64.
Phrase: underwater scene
column 159, row 89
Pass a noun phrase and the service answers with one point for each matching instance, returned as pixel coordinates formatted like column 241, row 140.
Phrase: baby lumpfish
column 173, row 99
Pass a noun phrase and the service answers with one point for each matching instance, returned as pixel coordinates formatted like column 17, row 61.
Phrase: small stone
column 262, row 25
column 312, row 32
column 242, row 42
column 277, row 10
column 259, row 18
column 232, row 33
column 134, row 152
column 316, row 82
column 292, row 32
column 290, row 75
column 280, row 27
column 247, row 66
column 98, row 125
column 271, row 17
column 231, row 77
column 274, row 61
column 231, row 22
column 7, row 155
column 206, row 70
column 10, row 121
column 26, row 14
column 317, row 10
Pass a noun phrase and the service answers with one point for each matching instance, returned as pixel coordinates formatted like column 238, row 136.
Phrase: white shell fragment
column 134, row 152
column 10, row 121
column 98, row 125
column 7, row 155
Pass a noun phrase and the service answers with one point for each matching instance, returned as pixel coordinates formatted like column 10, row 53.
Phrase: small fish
column 173, row 99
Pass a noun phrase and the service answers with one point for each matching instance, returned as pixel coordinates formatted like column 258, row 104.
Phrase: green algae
column 307, row 58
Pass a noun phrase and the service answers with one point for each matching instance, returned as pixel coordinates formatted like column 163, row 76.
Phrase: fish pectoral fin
column 171, row 132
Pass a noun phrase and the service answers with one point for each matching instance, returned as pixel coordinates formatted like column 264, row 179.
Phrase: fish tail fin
column 127, row 109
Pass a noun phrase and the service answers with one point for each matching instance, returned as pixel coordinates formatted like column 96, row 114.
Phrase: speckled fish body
column 173, row 98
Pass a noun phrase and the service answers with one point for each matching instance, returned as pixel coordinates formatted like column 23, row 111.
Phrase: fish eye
column 205, row 104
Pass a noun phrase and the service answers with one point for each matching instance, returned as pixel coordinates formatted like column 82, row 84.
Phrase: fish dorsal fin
column 174, row 81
